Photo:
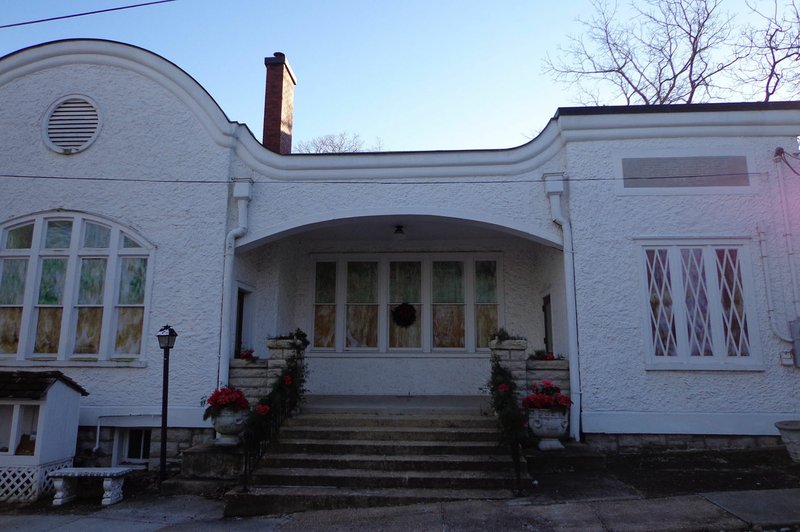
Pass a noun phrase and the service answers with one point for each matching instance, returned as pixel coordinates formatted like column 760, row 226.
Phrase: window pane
column 48, row 329
column 325, row 326
column 6, row 414
column 734, row 321
column 698, row 318
column 410, row 336
column 486, row 317
column 325, row 285
column 485, row 281
column 131, row 281
column 96, row 236
column 129, row 243
column 12, row 280
column 362, row 325
column 20, row 237
column 51, row 287
column 58, row 234
column 129, row 330
column 93, row 276
column 362, row 282
column 662, row 320
column 87, row 331
column 448, row 282
column 10, row 319
column 448, row 325
column 405, row 281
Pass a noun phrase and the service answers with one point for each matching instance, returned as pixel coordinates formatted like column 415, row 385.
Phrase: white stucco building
column 660, row 241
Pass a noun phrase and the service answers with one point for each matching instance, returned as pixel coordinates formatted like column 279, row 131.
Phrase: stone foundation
column 178, row 440
column 638, row 443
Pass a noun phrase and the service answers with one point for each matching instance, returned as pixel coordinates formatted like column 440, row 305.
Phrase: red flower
column 287, row 380
column 546, row 395
column 503, row 388
column 263, row 410
column 228, row 398
column 549, row 356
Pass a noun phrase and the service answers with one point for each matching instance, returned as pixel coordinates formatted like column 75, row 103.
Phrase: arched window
column 73, row 287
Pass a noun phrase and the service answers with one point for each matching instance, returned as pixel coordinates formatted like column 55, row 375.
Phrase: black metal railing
column 259, row 434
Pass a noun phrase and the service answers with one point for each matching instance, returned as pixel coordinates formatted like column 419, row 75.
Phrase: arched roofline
column 568, row 125
column 312, row 220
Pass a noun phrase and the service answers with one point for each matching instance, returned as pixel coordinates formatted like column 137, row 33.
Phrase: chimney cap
column 279, row 58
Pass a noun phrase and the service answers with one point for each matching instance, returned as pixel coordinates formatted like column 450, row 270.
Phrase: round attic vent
column 72, row 124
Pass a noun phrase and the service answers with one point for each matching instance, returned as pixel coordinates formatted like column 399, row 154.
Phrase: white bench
column 65, row 481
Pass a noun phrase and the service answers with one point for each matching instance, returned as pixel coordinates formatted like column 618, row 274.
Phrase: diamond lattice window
column 697, row 309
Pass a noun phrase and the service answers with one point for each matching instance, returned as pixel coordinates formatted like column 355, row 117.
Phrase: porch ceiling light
column 399, row 233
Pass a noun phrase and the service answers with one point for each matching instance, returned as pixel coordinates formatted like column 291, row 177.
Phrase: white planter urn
column 549, row 426
column 229, row 424
column 790, row 434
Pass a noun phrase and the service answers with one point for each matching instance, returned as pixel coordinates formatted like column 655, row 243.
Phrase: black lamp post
column 166, row 341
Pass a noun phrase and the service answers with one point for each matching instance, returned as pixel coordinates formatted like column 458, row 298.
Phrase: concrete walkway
column 738, row 510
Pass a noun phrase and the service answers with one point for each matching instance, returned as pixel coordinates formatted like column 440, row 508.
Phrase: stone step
column 392, row 463
column 360, row 478
column 575, row 457
column 319, row 446
column 263, row 500
column 400, row 420
column 406, row 434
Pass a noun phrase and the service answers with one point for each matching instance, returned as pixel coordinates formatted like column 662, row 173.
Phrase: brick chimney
column 278, row 104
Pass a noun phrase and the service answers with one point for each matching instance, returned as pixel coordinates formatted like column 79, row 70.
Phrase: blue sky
column 416, row 74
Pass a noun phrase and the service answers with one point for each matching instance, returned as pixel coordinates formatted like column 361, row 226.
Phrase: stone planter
column 229, row 424
column 549, row 426
column 790, row 434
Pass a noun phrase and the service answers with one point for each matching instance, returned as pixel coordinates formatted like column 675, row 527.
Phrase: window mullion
column 427, row 311
column 678, row 294
column 70, row 297
column 383, row 305
column 714, row 303
column 110, row 297
column 469, row 306
column 341, row 304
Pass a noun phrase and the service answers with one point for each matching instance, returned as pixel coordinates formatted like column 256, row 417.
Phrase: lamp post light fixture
column 166, row 341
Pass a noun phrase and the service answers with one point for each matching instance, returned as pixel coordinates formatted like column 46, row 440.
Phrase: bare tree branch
column 343, row 142
column 665, row 51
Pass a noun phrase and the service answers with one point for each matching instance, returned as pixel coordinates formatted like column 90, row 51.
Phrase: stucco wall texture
column 148, row 143
column 618, row 388
column 164, row 158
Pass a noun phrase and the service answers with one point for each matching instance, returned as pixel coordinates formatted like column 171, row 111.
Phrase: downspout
column 787, row 235
column 242, row 193
column 768, row 291
column 554, row 189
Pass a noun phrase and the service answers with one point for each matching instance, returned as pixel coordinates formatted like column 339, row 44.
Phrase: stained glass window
column 325, row 305
column 362, row 304
column 405, row 287
column 20, row 237
column 76, row 308
column 448, row 304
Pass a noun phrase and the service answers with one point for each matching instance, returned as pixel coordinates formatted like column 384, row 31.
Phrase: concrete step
column 405, row 434
column 319, row 446
column 361, row 478
column 399, row 420
column 391, row 463
column 263, row 500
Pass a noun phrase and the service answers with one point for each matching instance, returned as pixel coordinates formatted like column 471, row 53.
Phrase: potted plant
column 548, row 415
column 228, row 409
column 790, row 435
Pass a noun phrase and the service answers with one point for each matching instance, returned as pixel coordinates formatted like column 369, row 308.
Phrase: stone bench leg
column 65, row 490
column 112, row 490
